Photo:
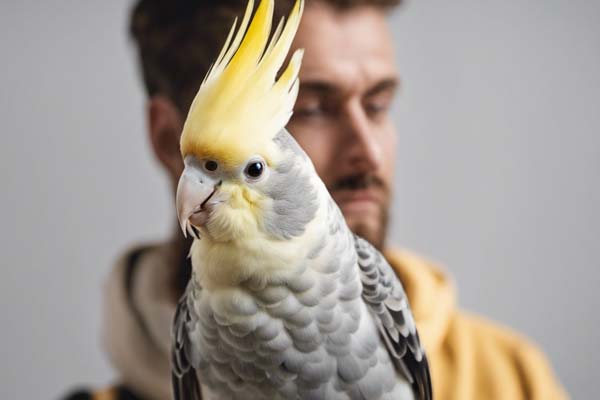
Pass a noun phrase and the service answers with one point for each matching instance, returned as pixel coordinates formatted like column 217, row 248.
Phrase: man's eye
column 308, row 111
column 376, row 109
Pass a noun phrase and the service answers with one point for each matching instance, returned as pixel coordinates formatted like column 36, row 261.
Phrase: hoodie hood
column 140, row 303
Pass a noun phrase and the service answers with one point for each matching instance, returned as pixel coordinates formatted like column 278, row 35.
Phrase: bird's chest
column 280, row 341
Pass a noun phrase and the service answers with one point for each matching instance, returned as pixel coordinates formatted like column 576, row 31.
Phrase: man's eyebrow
column 319, row 87
column 387, row 84
column 322, row 87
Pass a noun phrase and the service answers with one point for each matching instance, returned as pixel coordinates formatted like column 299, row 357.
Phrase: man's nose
column 361, row 141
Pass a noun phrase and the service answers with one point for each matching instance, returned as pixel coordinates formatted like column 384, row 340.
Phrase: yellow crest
column 240, row 105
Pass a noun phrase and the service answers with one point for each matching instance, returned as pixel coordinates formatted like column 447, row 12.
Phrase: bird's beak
column 194, row 190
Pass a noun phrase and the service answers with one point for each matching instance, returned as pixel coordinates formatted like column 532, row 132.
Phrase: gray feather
column 390, row 308
column 294, row 198
column 183, row 375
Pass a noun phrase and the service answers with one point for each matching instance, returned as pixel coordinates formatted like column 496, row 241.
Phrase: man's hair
column 178, row 40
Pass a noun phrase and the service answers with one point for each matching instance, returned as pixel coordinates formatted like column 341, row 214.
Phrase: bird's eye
column 211, row 165
column 254, row 169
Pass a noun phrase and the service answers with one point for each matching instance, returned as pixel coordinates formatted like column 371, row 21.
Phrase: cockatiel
column 284, row 301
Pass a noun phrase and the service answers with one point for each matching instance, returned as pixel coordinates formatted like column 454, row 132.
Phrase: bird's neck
column 260, row 256
column 227, row 264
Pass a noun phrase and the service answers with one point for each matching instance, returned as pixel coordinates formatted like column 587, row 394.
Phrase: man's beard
column 373, row 230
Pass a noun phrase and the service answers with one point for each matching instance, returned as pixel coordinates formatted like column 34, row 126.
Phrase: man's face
column 341, row 118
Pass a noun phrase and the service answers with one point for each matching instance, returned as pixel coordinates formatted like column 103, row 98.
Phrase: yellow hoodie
column 470, row 358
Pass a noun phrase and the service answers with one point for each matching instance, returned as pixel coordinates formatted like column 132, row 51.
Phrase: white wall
column 499, row 174
column 498, row 170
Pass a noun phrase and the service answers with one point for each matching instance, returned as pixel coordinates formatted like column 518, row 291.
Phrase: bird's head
column 244, row 174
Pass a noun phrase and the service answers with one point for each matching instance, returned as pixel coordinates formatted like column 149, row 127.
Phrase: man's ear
column 165, row 123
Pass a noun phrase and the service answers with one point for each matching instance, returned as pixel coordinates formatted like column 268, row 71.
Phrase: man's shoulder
column 502, row 362
column 471, row 357
column 117, row 392
column 493, row 337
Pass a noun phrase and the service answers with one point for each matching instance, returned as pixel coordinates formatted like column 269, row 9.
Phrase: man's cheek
column 389, row 163
column 320, row 157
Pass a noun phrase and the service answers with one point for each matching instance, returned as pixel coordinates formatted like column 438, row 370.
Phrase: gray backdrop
column 497, row 176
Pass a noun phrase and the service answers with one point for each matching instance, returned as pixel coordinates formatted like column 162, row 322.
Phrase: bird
column 284, row 301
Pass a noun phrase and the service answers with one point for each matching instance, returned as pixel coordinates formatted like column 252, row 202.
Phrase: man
column 342, row 120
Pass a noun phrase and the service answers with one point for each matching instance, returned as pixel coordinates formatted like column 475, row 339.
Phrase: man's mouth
column 355, row 182
column 359, row 189
column 356, row 195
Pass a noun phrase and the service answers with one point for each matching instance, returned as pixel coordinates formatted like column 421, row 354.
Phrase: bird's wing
column 385, row 296
column 183, row 375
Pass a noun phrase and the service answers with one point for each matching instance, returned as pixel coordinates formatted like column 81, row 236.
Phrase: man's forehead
column 349, row 49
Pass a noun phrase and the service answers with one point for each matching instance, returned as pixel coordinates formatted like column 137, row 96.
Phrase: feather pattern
column 384, row 294
column 310, row 337
column 183, row 374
